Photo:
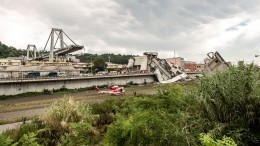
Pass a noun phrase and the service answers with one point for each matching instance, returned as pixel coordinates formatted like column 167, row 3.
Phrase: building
column 190, row 66
column 187, row 66
column 9, row 62
column 176, row 61
column 200, row 67
column 113, row 66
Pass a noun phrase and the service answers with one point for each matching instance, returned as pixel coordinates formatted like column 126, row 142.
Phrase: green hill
column 9, row 51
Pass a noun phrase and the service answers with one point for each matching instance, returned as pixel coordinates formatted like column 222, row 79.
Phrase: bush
column 66, row 122
column 207, row 140
column 64, row 116
column 162, row 119
column 6, row 140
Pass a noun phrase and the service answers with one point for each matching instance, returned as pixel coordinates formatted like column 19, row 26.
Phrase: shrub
column 67, row 111
column 162, row 119
column 63, row 116
column 207, row 140
column 28, row 140
column 79, row 134
column 6, row 141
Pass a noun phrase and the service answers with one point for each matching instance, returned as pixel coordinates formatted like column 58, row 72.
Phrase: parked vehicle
column 113, row 73
column 33, row 74
column 53, row 74
column 101, row 73
column 86, row 75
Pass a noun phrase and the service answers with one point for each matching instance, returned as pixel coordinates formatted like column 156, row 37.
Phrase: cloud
column 190, row 28
column 240, row 24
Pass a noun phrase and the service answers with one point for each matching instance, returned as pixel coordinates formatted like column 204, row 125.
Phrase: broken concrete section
column 214, row 63
column 165, row 72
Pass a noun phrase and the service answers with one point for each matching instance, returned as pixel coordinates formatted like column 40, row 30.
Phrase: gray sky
column 191, row 28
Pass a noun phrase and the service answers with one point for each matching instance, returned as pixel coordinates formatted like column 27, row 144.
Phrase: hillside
column 9, row 51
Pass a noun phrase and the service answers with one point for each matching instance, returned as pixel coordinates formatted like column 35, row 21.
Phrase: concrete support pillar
column 61, row 39
column 52, row 46
column 34, row 52
column 28, row 53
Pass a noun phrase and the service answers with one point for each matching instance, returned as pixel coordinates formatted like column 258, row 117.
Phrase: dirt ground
column 15, row 108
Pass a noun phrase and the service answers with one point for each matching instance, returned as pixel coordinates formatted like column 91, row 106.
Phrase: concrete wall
column 18, row 87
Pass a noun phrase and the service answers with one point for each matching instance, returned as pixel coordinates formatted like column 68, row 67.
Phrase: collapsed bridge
column 165, row 72
column 55, row 53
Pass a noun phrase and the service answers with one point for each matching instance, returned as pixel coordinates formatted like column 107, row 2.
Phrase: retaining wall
column 23, row 86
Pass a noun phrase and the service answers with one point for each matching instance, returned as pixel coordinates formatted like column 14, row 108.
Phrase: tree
column 118, row 59
column 6, row 51
column 99, row 63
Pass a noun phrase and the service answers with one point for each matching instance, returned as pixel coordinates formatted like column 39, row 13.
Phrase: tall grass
column 232, row 99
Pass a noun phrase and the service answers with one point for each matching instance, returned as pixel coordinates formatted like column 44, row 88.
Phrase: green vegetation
column 99, row 63
column 119, row 59
column 6, row 51
column 219, row 110
column 230, row 101
column 207, row 140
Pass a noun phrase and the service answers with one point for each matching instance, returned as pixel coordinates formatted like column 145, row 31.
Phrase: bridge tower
column 28, row 51
column 60, row 37
column 61, row 51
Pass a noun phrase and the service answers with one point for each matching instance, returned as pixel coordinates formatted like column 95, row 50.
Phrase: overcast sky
column 191, row 28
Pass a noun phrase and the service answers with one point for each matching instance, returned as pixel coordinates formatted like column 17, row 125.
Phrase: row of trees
column 118, row 59
column 219, row 110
